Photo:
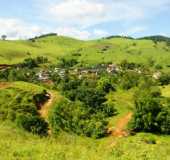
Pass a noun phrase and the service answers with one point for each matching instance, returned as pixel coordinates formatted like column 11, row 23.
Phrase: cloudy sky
column 84, row 19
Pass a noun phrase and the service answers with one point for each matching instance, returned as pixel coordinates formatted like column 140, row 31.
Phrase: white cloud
column 17, row 29
column 73, row 17
column 100, row 33
column 134, row 30
column 73, row 32
column 85, row 13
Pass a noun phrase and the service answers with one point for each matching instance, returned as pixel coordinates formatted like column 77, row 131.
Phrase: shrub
column 33, row 124
column 165, row 79
column 75, row 117
column 41, row 98
column 17, row 106
column 151, row 115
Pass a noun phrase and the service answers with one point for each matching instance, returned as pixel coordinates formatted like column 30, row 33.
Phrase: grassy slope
column 91, row 51
column 52, row 47
column 17, row 144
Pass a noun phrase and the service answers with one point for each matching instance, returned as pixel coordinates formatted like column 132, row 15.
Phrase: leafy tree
column 150, row 114
column 74, row 117
column 165, row 79
column 67, row 62
column 105, row 85
column 33, row 124
column 41, row 98
column 3, row 37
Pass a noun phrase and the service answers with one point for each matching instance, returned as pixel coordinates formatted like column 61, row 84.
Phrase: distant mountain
column 157, row 38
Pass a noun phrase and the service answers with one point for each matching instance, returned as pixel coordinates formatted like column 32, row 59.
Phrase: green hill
column 114, row 49
column 93, row 105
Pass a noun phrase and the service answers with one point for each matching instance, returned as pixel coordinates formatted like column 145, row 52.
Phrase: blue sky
column 84, row 19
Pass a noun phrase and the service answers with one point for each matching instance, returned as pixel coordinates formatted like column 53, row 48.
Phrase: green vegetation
column 18, row 105
column 62, row 98
column 114, row 49
column 152, row 112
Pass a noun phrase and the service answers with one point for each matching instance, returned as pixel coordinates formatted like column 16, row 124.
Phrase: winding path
column 119, row 130
column 46, row 107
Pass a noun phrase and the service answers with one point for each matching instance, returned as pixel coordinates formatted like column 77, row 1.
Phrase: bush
column 165, row 79
column 129, row 80
column 33, row 124
column 150, row 115
column 105, row 85
column 41, row 98
column 17, row 106
column 67, row 62
column 75, row 117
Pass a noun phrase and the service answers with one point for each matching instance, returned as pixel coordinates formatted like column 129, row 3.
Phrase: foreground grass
column 16, row 144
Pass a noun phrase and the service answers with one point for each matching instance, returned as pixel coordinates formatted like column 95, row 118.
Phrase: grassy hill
column 113, row 49
column 16, row 144
column 17, row 98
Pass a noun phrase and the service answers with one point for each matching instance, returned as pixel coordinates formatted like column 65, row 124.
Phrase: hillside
column 113, row 49
column 67, row 99
column 18, row 144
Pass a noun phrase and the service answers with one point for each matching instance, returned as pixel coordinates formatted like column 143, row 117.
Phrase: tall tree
column 3, row 37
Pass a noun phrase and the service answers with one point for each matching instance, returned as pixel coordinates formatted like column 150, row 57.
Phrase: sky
column 84, row 19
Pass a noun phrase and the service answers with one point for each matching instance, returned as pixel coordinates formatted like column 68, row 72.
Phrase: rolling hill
column 18, row 99
column 113, row 49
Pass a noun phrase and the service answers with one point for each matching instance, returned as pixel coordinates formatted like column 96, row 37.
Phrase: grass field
column 90, row 52
column 16, row 144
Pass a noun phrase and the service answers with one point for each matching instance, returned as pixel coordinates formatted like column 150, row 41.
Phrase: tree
column 105, row 85
column 3, row 37
column 151, row 115
column 75, row 117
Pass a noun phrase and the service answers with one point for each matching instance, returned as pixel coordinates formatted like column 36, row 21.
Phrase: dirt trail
column 45, row 108
column 119, row 130
column 4, row 85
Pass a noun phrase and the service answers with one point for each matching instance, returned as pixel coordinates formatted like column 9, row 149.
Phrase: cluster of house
column 44, row 75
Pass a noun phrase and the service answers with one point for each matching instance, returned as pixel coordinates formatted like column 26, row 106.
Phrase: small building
column 157, row 75
column 112, row 68
column 61, row 73
column 43, row 75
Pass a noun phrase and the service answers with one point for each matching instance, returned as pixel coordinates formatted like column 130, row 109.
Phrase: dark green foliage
column 129, row 65
column 43, row 36
column 33, row 124
column 75, row 117
column 32, row 63
column 163, row 119
column 18, row 74
column 151, row 114
column 41, row 60
column 117, row 36
column 129, row 80
column 67, row 62
column 157, row 38
column 87, row 111
column 29, row 63
column 158, row 66
column 41, row 98
column 105, row 84
column 19, row 107
column 165, row 79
